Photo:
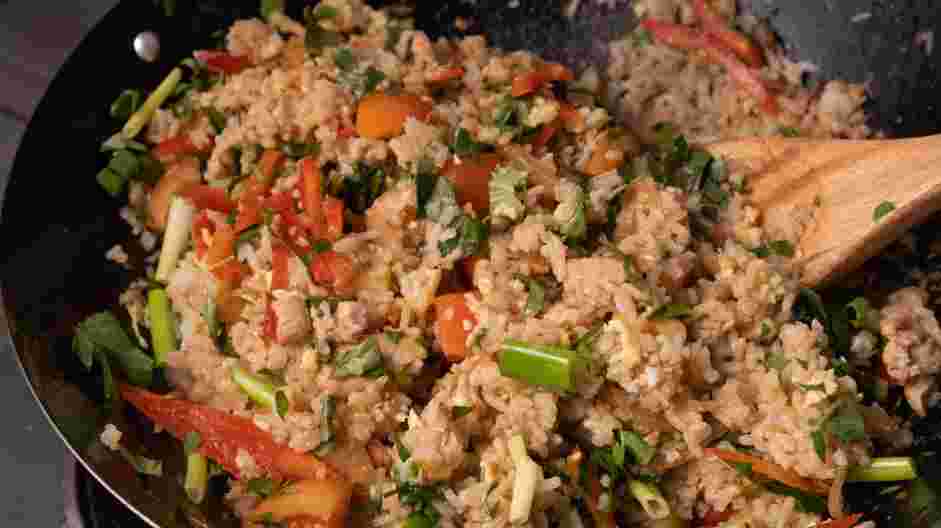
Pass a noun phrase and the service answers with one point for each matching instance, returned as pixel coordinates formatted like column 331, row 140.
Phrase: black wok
column 57, row 223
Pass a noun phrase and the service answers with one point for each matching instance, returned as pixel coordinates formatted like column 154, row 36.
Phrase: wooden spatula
column 845, row 181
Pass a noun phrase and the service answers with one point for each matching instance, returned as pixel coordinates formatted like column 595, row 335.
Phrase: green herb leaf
column 112, row 182
column 642, row 37
column 858, row 312
column 536, row 299
column 505, row 187
column 805, row 502
column 790, row 132
column 782, row 248
column 105, row 331
column 464, row 143
column 820, row 443
column 425, row 183
column 811, row 387
column 191, row 442
column 841, row 367
column 344, row 59
column 361, row 188
column 324, row 11
column 358, row 360
column 270, row 6
column 282, row 404
column 393, row 336
column 84, row 348
column 216, row 119
column 847, row 424
column 372, row 78
column 642, row 452
column 459, row 411
column 317, row 38
column 672, row 311
column 742, row 468
column 300, row 150
column 248, row 234
column 474, row 235
column 321, row 246
column 126, row 104
column 881, row 210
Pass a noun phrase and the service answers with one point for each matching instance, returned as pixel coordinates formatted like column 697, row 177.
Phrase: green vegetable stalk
column 650, row 498
column 550, row 366
column 142, row 116
column 884, row 469
column 162, row 325
column 197, row 477
column 261, row 390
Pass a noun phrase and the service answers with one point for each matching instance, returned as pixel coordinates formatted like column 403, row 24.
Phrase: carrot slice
column 770, row 470
column 735, row 41
column 202, row 222
column 222, row 249
column 383, row 116
column 454, row 321
column 224, row 435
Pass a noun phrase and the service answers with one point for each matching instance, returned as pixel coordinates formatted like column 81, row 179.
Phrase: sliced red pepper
column 332, row 269
column 570, row 116
column 221, row 61
column 224, row 435
column 532, row 81
column 269, row 327
column 735, row 41
column 279, row 202
column 445, row 74
column 250, row 205
column 312, row 193
column 280, row 267
column 714, row 518
column 208, row 197
column 202, row 222
column 222, row 249
column 747, row 78
column 231, row 272
column 346, row 132
column 545, row 134
column 675, row 35
column 333, row 218
column 169, row 150
column 844, row 522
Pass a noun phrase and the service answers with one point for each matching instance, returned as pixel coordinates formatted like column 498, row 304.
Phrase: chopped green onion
column 847, row 424
column 112, row 182
column 179, row 224
column 142, row 464
column 140, row 118
column 372, row 78
column 460, row 411
column 268, row 7
column 418, row 520
column 344, row 59
column 216, row 119
column 197, row 477
column 260, row 390
column 102, row 336
column 328, row 411
column 191, row 442
column 884, row 469
column 642, row 451
column 545, row 365
column 650, row 498
column 126, row 104
column 464, row 144
column 262, row 486
column 359, row 360
column 162, row 325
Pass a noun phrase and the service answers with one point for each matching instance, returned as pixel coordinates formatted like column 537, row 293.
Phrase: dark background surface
column 37, row 35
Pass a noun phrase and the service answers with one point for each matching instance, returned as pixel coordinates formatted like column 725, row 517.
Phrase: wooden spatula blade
column 840, row 183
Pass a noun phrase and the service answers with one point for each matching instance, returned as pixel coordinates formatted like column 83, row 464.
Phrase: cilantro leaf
column 882, row 210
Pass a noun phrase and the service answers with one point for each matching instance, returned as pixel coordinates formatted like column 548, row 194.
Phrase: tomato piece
column 769, row 469
column 312, row 194
column 179, row 175
column 735, row 41
column 170, row 149
column 221, row 61
column 271, row 160
column 333, row 269
column 223, row 435
column 471, row 180
column 532, row 81
column 208, row 197
column 269, row 327
column 451, row 314
column 383, row 116
column 279, row 202
column 747, row 78
column 333, row 218
column 445, row 74
column 249, row 207
column 570, row 116
column 280, row 267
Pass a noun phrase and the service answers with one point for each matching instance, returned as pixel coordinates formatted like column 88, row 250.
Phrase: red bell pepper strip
column 545, row 134
column 735, row 41
column 249, row 207
column 221, row 61
column 224, row 435
column 312, row 193
column 570, row 116
column 271, row 160
column 280, row 267
column 279, row 202
column 333, row 218
column 769, row 469
column 683, row 37
column 269, row 327
column 208, row 197
column 332, row 269
column 201, row 223
column 346, row 132
column 532, row 81
column 170, row 149
column 222, row 249
column 714, row 518
column 747, row 78
column 445, row 74
column 844, row 522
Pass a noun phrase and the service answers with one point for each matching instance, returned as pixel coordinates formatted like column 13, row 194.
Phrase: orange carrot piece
column 383, row 116
column 770, row 470
column 312, row 193
column 451, row 314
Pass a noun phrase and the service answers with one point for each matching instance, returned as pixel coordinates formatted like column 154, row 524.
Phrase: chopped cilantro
column 464, row 144
column 882, row 210
column 672, row 311
column 820, row 443
column 459, row 411
column 343, row 58
column 359, row 359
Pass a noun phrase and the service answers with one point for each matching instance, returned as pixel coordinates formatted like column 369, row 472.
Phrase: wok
column 57, row 223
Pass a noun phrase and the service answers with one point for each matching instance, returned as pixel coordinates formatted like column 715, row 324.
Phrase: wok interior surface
column 58, row 224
